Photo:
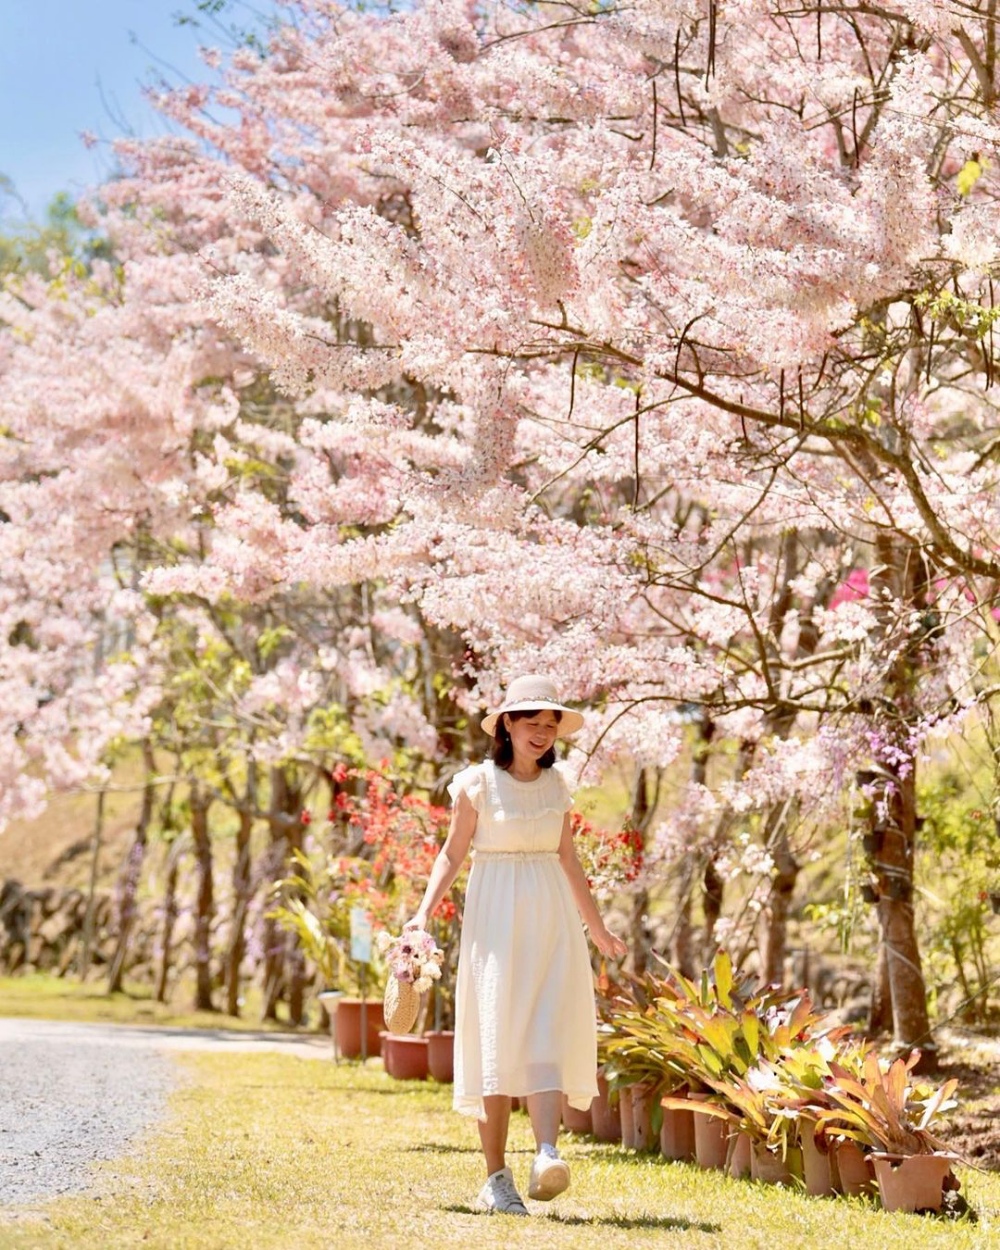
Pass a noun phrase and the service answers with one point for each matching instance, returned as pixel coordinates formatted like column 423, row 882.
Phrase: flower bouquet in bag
column 414, row 963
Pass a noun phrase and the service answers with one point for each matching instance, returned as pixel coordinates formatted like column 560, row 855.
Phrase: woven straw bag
column 400, row 1005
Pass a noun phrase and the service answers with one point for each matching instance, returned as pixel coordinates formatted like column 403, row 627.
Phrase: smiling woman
column 527, row 736
column 525, row 1017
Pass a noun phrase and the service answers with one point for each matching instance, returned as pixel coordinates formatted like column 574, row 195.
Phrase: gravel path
column 74, row 1094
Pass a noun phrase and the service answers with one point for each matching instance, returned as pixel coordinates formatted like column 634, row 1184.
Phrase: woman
column 524, row 1004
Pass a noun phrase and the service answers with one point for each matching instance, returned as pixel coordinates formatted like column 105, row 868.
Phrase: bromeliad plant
column 765, row 1064
column 717, row 1035
column 724, row 1025
column 741, row 1043
column 878, row 1104
column 785, row 1090
column 635, row 1048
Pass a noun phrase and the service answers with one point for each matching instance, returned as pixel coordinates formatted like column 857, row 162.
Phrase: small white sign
column 361, row 936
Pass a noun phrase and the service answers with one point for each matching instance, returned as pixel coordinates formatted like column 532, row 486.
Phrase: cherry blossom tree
column 655, row 262
column 608, row 342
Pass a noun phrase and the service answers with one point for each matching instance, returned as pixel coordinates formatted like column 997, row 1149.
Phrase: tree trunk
column 712, row 891
column 169, row 920
column 774, row 919
column 683, row 953
column 274, row 940
column 205, row 903
column 682, row 941
column 89, row 918
column 284, row 966
column 242, row 892
column 880, row 1015
column 780, row 722
column 910, row 1020
column 295, row 963
column 128, row 886
column 639, row 818
column 900, row 569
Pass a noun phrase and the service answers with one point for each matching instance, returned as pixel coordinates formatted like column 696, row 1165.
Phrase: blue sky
column 73, row 65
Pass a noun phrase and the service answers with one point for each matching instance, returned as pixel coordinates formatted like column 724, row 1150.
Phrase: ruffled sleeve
column 564, row 791
column 470, row 782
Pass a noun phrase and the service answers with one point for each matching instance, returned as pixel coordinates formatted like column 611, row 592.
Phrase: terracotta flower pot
column 711, row 1138
column 851, row 1169
column 348, row 1027
column 329, row 1001
column 643, row 1102
column 911, row 1182
column 816, row 1163
column 677, row 1134
column 739, row 1151
column 405, row 1056
column 626, row 1118
column 574, row 1120
column 606, row 1121
column 768, row 1167
column 441, row 1055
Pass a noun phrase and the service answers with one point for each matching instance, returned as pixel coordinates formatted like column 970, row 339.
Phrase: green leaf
column 724, row 978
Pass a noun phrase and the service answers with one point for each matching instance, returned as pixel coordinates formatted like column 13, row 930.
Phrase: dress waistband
column 481, row 854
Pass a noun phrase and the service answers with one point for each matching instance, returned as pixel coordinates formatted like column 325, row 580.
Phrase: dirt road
column 72, row 1095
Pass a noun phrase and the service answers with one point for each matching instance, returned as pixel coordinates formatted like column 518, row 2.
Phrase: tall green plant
column 306, row 905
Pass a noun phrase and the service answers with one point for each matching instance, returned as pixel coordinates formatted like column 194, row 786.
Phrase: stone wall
column 44, row 930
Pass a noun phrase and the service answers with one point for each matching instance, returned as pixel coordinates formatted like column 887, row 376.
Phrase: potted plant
column 313, row 903
column 636, row 1047
column 737, row 1044
column 637, row 1075
column 889, row 1114
column 441, row 1007
column 402, row 834
column 414, row 961
column 319, row 945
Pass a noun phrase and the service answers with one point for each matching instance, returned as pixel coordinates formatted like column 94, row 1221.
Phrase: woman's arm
column 610, row 946
column 448, row 863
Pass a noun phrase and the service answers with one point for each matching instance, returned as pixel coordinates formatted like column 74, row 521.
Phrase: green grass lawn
column 265, row 1150
column 41, row 996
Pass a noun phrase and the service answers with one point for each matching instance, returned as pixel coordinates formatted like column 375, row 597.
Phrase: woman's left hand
column 610, row 946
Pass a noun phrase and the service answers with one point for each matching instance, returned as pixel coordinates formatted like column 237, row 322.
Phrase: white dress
column 525, row 1020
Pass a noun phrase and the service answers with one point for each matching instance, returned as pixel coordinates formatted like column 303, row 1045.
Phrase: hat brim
column 570, row 722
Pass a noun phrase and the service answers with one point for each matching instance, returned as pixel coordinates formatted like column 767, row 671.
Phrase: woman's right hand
column 610, row 946
column 418, row 921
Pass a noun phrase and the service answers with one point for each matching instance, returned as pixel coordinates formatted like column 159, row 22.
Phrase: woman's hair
column 503, row 748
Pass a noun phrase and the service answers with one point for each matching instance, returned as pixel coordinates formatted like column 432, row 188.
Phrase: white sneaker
column 499, row 1195
column 549, row 1175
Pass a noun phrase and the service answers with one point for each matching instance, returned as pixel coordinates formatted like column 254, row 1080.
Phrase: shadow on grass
column 441, row 1148
column 398, row 1089
column 668, row 1223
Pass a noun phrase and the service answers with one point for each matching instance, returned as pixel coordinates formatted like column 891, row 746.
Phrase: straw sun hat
column 534, row 694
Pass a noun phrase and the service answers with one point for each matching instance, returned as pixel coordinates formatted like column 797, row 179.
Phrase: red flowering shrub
column 392, row 839
column 402, row 834
column 613, row 860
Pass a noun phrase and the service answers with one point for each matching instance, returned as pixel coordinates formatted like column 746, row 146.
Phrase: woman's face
column 532, row 735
